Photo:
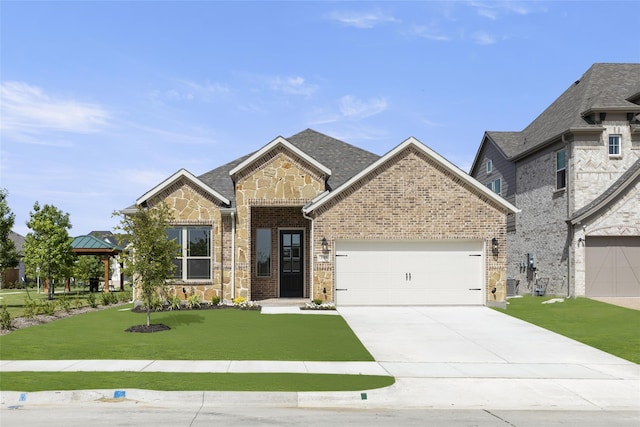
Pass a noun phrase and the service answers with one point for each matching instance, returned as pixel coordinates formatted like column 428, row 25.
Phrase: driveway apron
column 478, row 357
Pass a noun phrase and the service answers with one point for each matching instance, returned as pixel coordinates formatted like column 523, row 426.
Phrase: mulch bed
column 158, row 327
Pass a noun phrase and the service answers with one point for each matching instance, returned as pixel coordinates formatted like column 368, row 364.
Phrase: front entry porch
column 280, row 253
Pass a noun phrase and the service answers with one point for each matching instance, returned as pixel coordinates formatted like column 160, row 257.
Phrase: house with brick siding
column 574, row 173
column 312, row 217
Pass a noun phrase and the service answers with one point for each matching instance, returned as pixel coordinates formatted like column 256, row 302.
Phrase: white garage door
column 409, row 273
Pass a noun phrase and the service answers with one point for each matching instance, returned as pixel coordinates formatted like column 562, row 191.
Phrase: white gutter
column 233, row 255
column 311, row 257
column 231, row 212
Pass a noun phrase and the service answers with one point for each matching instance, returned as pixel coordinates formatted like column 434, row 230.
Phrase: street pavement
column 442, row 358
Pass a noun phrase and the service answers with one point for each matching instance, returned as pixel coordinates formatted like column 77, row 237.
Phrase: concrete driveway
column 476, row 357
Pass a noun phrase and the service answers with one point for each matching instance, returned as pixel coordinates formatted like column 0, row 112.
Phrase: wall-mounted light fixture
column 325, row 245
column 494, row 244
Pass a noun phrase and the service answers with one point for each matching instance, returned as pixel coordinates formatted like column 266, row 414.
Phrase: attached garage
column 410, row 273
column 613, row 266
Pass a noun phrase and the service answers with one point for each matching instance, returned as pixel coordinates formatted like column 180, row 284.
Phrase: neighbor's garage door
column 409, row 273
column 613, row 266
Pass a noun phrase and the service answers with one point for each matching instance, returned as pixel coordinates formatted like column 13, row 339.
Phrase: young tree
column 48, row 246
column 88, row 266
column 150, row 259
column 8, row 252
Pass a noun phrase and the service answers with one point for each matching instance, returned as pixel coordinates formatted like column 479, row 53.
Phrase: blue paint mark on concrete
column 119, row 394
column 23, row 397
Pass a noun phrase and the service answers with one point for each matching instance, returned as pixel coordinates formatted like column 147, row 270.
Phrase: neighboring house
column 13, row 276
column 574, row 173
column 313, row 217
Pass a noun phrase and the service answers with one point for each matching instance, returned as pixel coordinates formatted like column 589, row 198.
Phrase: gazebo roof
column 91, row 245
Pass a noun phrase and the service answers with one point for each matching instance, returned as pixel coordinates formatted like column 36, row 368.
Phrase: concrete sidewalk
column 195, row 366
column 441, row 357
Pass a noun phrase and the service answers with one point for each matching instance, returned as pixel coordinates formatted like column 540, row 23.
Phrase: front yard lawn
column 223, row 334
column 167, row 381
column 604, row 326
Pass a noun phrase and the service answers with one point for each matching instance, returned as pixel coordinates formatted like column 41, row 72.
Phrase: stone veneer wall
column 193, row 206
column 277, row 179
column 412, row 198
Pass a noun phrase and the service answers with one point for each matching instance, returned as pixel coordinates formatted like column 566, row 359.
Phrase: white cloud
column 484, row 38
column 353, row 108
column 28, row 109
column 494, row 10
column 292, row 85
column 192, row 91
column 364, row 20
column 428, row 32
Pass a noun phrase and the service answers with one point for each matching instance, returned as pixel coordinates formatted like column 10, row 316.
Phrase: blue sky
column 101, row 101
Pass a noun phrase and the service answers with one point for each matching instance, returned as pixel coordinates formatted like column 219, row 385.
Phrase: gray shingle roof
column 343, row 159
column 602, row 87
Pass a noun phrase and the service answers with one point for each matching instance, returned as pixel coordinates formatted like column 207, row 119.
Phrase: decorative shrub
column 239, row 300
column 174, row 302
column 65, row 303
column 48, row 307
column 30, row 308
column 91, row 300
column 215, row 300
column 243, row 304
column 5, row 318
column 193, row 301
column 317, row 301
column 314, row 306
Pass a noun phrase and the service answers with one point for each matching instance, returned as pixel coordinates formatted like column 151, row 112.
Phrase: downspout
column 311, row 257
column 570, row 231
column 233, row 255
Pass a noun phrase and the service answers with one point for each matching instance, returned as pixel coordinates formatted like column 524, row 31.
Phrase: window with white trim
column 561, row 169
column 495, row 186
column 193, row 262
column 489, row 167
column 614, row 145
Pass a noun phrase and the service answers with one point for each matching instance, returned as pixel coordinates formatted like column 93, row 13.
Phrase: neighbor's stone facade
column 542, row 228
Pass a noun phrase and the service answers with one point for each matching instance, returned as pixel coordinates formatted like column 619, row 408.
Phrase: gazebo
column 91, row 245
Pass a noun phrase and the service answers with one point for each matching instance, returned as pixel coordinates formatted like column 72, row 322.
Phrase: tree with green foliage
column 9, row 257
column 86, row 267
column 48, row 246
column 150, row 259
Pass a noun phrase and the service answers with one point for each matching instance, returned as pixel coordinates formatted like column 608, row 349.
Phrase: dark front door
column 291, row 264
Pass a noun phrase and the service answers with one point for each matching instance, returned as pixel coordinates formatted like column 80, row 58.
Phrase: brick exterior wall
column 541, row 227
column 412, row 198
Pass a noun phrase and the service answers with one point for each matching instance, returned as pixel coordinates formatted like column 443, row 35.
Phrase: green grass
column 224, row 334
column 14, row 298
column 40, row 381
column 607, row 327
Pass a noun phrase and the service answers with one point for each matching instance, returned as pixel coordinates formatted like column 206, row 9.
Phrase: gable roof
column 280, row 141
column 342, row 159
column 410, row 142
column 182, row 173
column 603, row 87
column 91, row 245
column 621, row 184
